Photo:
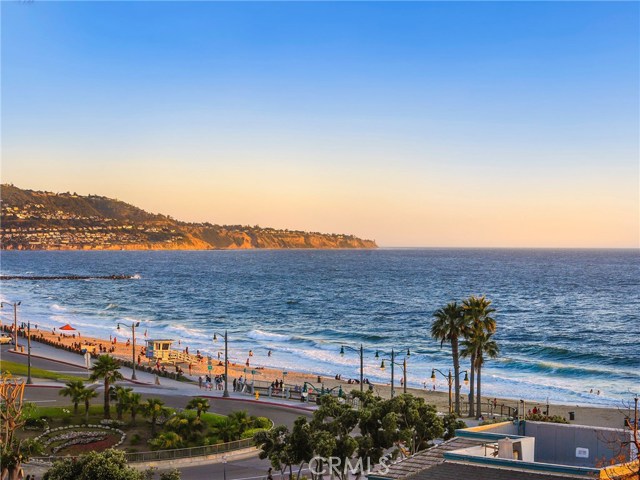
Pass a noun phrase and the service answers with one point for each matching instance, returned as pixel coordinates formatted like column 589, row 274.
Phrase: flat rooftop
column 521, row 450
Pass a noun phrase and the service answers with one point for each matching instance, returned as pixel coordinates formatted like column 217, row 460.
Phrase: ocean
column 568, row 320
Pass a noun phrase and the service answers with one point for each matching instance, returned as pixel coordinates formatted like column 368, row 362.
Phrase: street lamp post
column 15, row 321
column 29, row 381
column 225, row 394
column 133, row 345
column 449, row 378
column 361, row 353
column 393, row 362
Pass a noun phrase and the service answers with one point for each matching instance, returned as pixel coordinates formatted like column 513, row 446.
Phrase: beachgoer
column 269, row 353
column 200, row 382
column 251, row 353
column 269, row 475
column 190, row 367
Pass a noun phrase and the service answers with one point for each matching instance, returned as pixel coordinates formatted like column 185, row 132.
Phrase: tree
column 13, row 451
column 451, row 424
column 170, row 475
column 74, row 389
column 108, row 465
column 275, row 444
column 122, row 396
column 449, row 325
column 87, row 395
column 242, row 420
column 134, row 405
column 199, row 405
column 108, row 369
column 154, row 408
column 189, row 428
column 228, row 430
column 477, row 315
column 479, row 346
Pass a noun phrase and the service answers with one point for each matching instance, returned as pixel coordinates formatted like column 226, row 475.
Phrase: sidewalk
column 146, row 382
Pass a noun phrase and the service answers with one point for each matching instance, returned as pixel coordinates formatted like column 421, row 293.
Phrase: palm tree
column 450, row 326
column 188, row 427
column 154, row 407
column 242, row 420
column 134, row 404
column 228, row 430
column 477, row 314
column 122, row 395
column 107, row 368
column 87, row 395
column 199, row 405
column 74, row 389
column 482, row 345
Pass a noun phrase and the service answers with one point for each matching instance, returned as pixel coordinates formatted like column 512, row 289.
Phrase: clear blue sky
column 432, row 124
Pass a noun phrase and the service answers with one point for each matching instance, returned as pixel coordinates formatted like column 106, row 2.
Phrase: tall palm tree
column 134, row 404
column 483, row 346
column 107, row 368
column 449, row 326
column 199, row 405
column 74, row 389
column 87, row 395
column 478, row 316
column 153, row 407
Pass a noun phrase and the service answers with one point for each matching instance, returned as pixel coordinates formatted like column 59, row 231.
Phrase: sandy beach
column 584, row 415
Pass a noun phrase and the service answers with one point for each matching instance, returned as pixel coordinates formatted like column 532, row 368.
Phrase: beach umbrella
column 67, row 327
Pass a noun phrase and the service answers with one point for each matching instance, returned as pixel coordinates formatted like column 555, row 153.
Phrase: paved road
column 244, row 469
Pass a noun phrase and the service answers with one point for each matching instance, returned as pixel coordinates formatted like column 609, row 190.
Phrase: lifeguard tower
column 159, row 349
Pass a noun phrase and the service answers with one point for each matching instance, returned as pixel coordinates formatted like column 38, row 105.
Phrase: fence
column 158, row 455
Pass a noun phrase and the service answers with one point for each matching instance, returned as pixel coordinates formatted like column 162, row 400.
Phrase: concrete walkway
column 145, row 382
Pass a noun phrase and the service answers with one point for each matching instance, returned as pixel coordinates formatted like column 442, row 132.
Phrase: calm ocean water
column 568, row 320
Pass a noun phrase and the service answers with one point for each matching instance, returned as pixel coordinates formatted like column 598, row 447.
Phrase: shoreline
column 584, row 414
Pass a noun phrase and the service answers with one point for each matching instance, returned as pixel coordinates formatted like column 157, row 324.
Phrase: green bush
column 251, row 432
column 135, row 439
column 262, row 422
column 544, row 418
column 35, row 423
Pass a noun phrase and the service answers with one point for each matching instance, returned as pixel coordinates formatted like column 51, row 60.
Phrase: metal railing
column 133, row 457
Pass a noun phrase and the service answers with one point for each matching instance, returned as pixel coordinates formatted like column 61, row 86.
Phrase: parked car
column 5, row 339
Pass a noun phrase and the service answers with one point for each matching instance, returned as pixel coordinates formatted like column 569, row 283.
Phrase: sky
column 454, row 124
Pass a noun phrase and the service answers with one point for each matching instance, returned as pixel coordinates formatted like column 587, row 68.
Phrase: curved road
column 246, row 469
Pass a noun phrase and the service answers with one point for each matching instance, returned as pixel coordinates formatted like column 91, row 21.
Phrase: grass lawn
column 18, row 369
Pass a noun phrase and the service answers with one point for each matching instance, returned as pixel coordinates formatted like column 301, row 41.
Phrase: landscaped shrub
column 34, row 423
column 251, row 432
column 537, row 417
column 262, row 422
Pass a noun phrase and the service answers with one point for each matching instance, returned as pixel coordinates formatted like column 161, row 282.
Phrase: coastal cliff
column 37, row 220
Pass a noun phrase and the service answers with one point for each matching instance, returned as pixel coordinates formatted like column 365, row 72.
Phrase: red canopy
column 67, row 327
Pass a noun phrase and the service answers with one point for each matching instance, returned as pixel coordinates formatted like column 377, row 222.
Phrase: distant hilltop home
column 36, row 220
column 522, row 450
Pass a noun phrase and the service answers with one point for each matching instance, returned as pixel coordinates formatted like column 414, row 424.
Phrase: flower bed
column 78, row 437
